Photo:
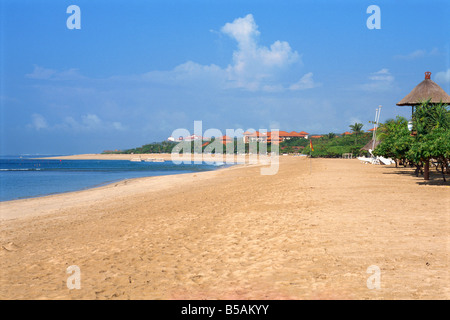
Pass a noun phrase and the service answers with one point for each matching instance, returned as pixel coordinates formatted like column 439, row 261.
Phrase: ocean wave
column 27, row 169
column 218, row 164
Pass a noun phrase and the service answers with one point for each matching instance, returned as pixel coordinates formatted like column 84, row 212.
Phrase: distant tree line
column 330, row 145
column 155, row 147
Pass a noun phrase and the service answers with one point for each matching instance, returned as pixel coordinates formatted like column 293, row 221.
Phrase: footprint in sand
column 11, row 246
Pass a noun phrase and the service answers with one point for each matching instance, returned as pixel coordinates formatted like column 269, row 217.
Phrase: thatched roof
column 370, row 145
column 425, row 90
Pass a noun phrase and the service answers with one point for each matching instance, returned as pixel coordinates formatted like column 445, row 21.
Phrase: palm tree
column 430, row 116
column 356, row 129
column 331, row 135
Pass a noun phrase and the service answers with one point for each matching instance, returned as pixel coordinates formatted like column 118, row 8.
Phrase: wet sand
column 309, row 232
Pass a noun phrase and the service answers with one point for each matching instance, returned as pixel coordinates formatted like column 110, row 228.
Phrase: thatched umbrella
column 371, row 145
column 426, row 90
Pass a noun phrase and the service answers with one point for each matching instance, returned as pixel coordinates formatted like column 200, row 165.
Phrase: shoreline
column 232, row 159
column 102, row 184
column 101, row 156
column 144, row 156
column 235, row 234
column 43, row 202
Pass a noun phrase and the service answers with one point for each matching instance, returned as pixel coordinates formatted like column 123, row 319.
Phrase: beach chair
column 386, row 161
column 365, row 159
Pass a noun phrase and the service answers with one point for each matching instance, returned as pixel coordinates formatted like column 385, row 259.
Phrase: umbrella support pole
column 426, row 170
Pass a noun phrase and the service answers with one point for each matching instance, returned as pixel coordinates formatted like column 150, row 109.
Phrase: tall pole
column 375, row 126
column 310, row 154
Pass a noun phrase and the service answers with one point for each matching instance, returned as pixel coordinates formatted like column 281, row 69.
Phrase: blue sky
column 137, row 70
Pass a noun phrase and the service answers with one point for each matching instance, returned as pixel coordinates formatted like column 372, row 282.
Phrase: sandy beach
column 309, row 232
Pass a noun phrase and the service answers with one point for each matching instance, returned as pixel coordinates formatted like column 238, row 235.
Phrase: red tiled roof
column 226, row 139
column 258, row 134
column 283, row 134
column 280, row 134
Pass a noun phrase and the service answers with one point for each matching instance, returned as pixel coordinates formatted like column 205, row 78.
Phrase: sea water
column 27, row 176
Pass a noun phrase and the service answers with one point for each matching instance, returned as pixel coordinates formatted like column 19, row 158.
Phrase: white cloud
column 191, row 71
column 38, row 122
column 91, row 122
column 243, row 30
column 41, row 73
column 88, row 122
column 382, row 75
column 443, row 76
column 306, row 82
column 118, row 126
column 255, row 66
column 417, row 54
column 381, row 80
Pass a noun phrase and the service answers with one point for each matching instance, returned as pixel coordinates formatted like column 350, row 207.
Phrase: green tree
column 431, row 116
column 430, row 139
column 431, row 123
column 357, row 130
column 395, row 140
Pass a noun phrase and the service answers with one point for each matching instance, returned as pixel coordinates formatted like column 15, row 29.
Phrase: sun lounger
column 386, row 161
column 365, row 159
